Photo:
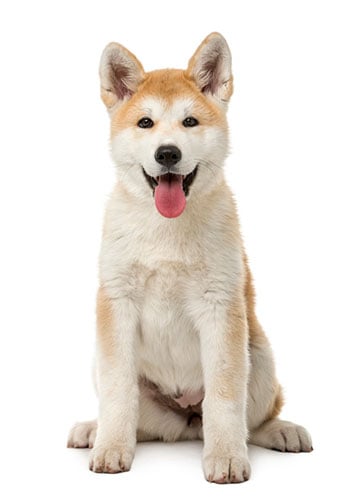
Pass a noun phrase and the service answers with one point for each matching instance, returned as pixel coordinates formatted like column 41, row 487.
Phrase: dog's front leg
column 117, row 385
column 224, row 349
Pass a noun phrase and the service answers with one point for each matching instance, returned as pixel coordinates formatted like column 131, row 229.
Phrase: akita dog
column 180, row 352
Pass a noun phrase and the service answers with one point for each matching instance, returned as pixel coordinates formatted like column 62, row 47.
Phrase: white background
column 289, row 170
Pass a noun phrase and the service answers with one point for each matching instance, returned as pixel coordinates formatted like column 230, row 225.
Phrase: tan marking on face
column 167, row 85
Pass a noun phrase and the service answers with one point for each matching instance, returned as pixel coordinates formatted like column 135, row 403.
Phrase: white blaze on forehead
column 161, row 110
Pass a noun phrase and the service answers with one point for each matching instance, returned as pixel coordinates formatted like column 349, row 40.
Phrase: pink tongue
column 169, row 195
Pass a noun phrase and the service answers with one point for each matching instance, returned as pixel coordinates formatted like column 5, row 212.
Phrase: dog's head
column 169, row 132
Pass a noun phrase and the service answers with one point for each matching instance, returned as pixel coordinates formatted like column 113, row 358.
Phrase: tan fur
column 256, row 333
column 235, row 340
column 277, row 404
column 166, row 85
column 258, row 338
column 105, row 323
column 176, row 304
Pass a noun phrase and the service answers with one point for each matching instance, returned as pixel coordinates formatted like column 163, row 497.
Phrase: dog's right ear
column 120, row 73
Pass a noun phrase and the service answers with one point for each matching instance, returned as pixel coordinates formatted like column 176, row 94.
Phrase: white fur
column 175, row 289
column 179, row 279
column 134, row 148
column 117, row 387
column 170, row 279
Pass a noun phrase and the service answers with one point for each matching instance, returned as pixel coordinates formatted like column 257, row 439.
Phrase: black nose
column 167, row 155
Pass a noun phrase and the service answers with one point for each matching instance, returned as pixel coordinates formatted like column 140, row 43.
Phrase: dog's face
column 169, row 133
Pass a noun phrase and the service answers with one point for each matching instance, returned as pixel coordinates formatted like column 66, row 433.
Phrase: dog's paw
column 82, row 435
column 223, row 469
column 291, row 437
column 111, row 459
column 282, row 436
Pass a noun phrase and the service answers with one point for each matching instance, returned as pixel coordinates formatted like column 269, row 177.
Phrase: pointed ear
column 210, row 67
column 120, row 74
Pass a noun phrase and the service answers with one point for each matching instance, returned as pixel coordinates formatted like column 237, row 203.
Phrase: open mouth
column 187, row 180
column 170, row 191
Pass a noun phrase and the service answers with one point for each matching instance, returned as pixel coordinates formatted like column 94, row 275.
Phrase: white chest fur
column 169, row 353
column 168, row 268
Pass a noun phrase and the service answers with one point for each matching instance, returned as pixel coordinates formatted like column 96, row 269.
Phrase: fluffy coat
column 180, row 352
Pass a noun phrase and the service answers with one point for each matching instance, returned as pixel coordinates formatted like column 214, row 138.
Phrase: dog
column 180, row 352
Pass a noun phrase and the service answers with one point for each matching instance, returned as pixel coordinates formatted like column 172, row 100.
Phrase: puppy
column 180, row 352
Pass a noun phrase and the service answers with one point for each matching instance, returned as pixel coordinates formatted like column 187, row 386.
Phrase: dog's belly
column 169, row 351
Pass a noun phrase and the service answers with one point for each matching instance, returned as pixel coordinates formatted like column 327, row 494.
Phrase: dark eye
column 145, row 123
column 190, row 121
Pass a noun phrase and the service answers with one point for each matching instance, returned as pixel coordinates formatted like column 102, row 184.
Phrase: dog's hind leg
column 283, row 436
column 82, row 435
column 265, row 398
column 156, row 422
column 159, row 421
column 264, row 404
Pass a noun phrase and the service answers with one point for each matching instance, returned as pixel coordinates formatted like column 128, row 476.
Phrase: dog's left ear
column 210, row 67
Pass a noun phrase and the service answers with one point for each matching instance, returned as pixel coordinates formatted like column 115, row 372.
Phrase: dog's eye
column 190, row 121
column 145, row 123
